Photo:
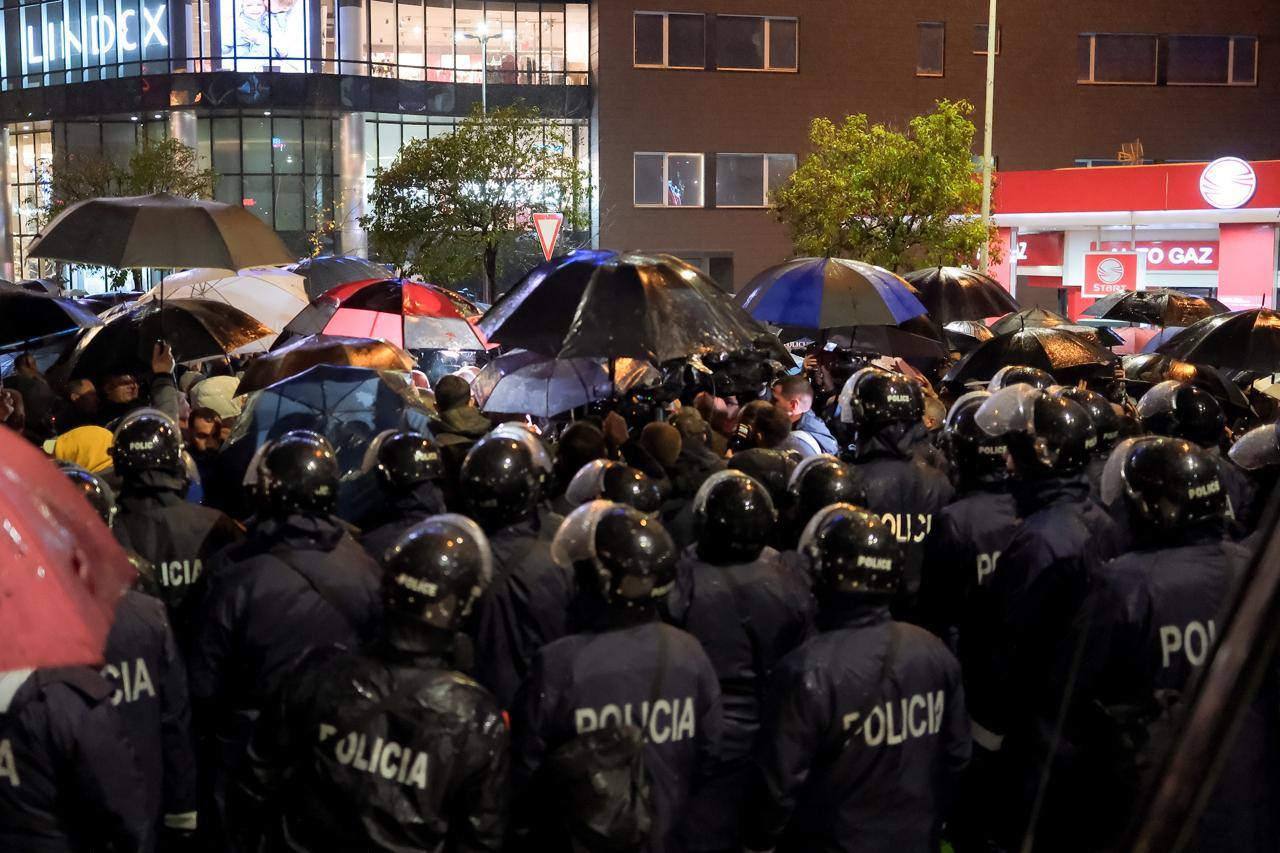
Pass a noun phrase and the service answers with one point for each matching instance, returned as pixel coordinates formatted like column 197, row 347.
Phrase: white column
column 352, row 38
column 182, row 127
column 348, row 145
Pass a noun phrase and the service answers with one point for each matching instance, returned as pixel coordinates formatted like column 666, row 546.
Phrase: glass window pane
column 780, row 168
column 410, row 20
column 440, row 40
column 118, row 141
column 257, row 145
column 577, row 42
column 1124, row 58
column 1244, row 65
column 686, row 41
column 648, row 179
column 782, row 43
column 739, row 180
column 739, row 42
column 1198, row 59
column 257, row 197
column 553, row 38
column 931, row 39
column 980, row 39
column 500, row 20
column 370, row 148
column 288, row 203
column 226, row 146
column 528, row 38
column 684, row 180
column 382, row 36
column 286, row 144
column 1084, row 54
column 388, row 143
column 467, row 53
column 227, row 190
column 318, row 147
column 648, row 47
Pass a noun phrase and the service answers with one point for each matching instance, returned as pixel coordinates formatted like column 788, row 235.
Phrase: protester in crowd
column 38, row 397
column 580, row 443
column 810, row 435
column 76, row 406
column 89, row 447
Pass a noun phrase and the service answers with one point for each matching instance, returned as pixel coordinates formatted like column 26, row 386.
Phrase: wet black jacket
column 397, row 516
column 592, row 680
column 865, row 736
column 1240, row 496
column 379, row 749
column 150, row 681
column 525, row 607
column 747, row 616
column 175, row 536
column 69, row 782
column 906, row 492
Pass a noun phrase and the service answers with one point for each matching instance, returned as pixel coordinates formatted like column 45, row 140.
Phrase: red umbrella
column 411, row 315
column 61, row 570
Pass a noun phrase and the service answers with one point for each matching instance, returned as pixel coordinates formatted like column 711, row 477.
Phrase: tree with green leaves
column 447, row 205
column 901, row 200
column 165, row 165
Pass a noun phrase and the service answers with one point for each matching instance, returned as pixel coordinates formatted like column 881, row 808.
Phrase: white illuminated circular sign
column 1227, row 182
column 1110, row 271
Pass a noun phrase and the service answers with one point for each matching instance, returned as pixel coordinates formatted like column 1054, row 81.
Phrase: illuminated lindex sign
column 127, row 30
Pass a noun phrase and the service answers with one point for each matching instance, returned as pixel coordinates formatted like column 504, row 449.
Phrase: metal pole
column 986, row 135
column 484, row 75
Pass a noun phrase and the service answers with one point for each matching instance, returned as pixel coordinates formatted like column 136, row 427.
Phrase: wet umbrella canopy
column 964, row 335
column 1028, row 318
column 957, row 293
column 1243, row 340
column 304, row 353
column 26, row 316
column 328, row 271
column 270, row 295
column 1048, row 349
column 1160, row 307
column 527, row 383
column 1147, row 369
column 826, row 293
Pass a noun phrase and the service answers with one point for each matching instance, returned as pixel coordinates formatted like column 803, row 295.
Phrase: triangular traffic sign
column 548, row 227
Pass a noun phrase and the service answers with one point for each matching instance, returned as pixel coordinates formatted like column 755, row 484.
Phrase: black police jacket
column 1240, row 496
column 525, row 607
column 969, row 536
column 69, row 782
column 178, row 538
column 590, row 681
column 150, row 690
column 378, row 749
column 865, row 736
column 397, row 516
column 906, row 492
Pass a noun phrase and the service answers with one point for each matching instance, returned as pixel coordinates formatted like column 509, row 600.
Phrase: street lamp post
column 992, row 32
column 483, row 37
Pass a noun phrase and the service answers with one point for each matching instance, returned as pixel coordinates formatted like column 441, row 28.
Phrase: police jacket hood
column 154, row 484
column 309, row 532
column 896, row 441
column 1036, row 494
column 398, row 515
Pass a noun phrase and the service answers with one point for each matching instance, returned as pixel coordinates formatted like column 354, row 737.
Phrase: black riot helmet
column 820, row 481
column 297, row 473
column 95, row 490
column 733, row 518
column 1169, row 484
column 436, row 570
column 1105, row 418
column 499, row 482
column 1258, row 449
column 1015, row 374
column 851, row 552
column 770, row 468
column 621, row 557
column 978, row 457
column 404, row 460
column 147, row 440
column 1181, row 410
column 1046, row 434
column 873, row 398
column 604, row 479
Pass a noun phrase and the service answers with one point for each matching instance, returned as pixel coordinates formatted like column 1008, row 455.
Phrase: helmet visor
column 537, row 450
column 805, row 464
column 370, row 461
column 1011, row 409
column 470, row 530
column 1111, row 489
column 849, row 411
column 709, row 485
column 1258, row 448
column 575, row 541
column 588, row 484
column 139, row 414
column 963, row 401
column 1160, row 400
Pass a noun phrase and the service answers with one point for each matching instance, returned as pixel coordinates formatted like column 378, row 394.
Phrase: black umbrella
column 1242, row 340
column 1063, row 354
column 326, row 271
column 1159, row 307
column 28, row 316
column 1146, row 369
column 964, row 335
column 1100, row 335
column 100, row 302
column 956, row 293
column 195, row 328
column 889, row 340
column 1028, row 318
column 304, row 353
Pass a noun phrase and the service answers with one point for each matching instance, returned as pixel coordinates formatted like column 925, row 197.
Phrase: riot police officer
column 1015, row 374
column 1106, row 425
column 176, row 537
column 1257, row 453
column 772, row 469
column 300, row 580
column 818, row 481
column 408, row 470
column 149, row 679
column 865, row 732
column 527, row 606
column 387, row 746
column 638, row 671
column 885, row 410
column 604, row 479
column 748, row 608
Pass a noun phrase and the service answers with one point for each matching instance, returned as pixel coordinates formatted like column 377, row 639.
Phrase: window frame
column 666, row 173
column 666, row 42
column 942, row 26
column 999, row 35
column 1093, row 62
column 768, row 27
column 1231, row 59
column 764, row 190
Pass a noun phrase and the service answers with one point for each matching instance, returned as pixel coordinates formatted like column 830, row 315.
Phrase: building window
column 670, row 40
column 752, row 43
column 980, row 39
column 667, row 180
column 1118, row 58
column 1196, row 60
column 749, row 180
column 30, row 169
column 931, row 39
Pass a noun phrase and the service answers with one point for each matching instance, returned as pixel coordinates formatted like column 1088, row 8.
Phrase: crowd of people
column 807, row 615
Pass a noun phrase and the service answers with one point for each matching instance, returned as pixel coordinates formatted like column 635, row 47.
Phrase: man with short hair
column 37, row 396
column 762, row 424
column 793, row 395
column 78, row 406
column 204, row 431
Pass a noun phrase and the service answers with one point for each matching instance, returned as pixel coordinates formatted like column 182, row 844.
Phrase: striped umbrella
column 827, row 293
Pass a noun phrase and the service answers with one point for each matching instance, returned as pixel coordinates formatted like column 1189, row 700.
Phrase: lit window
column 749, row 180
column 980, row 39
column 667, row 180
column 1199, row 60
column 1117, row 58
column 931, row 39
column 670, row 40
column 751, row 43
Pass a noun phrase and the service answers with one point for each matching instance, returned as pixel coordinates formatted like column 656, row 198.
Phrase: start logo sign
column 1106, row 273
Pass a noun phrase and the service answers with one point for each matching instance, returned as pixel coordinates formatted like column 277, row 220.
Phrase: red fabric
column 418, row 300
column 357, row 323
column 1246, row 265
column 61, row 570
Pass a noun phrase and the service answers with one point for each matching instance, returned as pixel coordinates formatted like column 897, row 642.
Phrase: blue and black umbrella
column 828, row 293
